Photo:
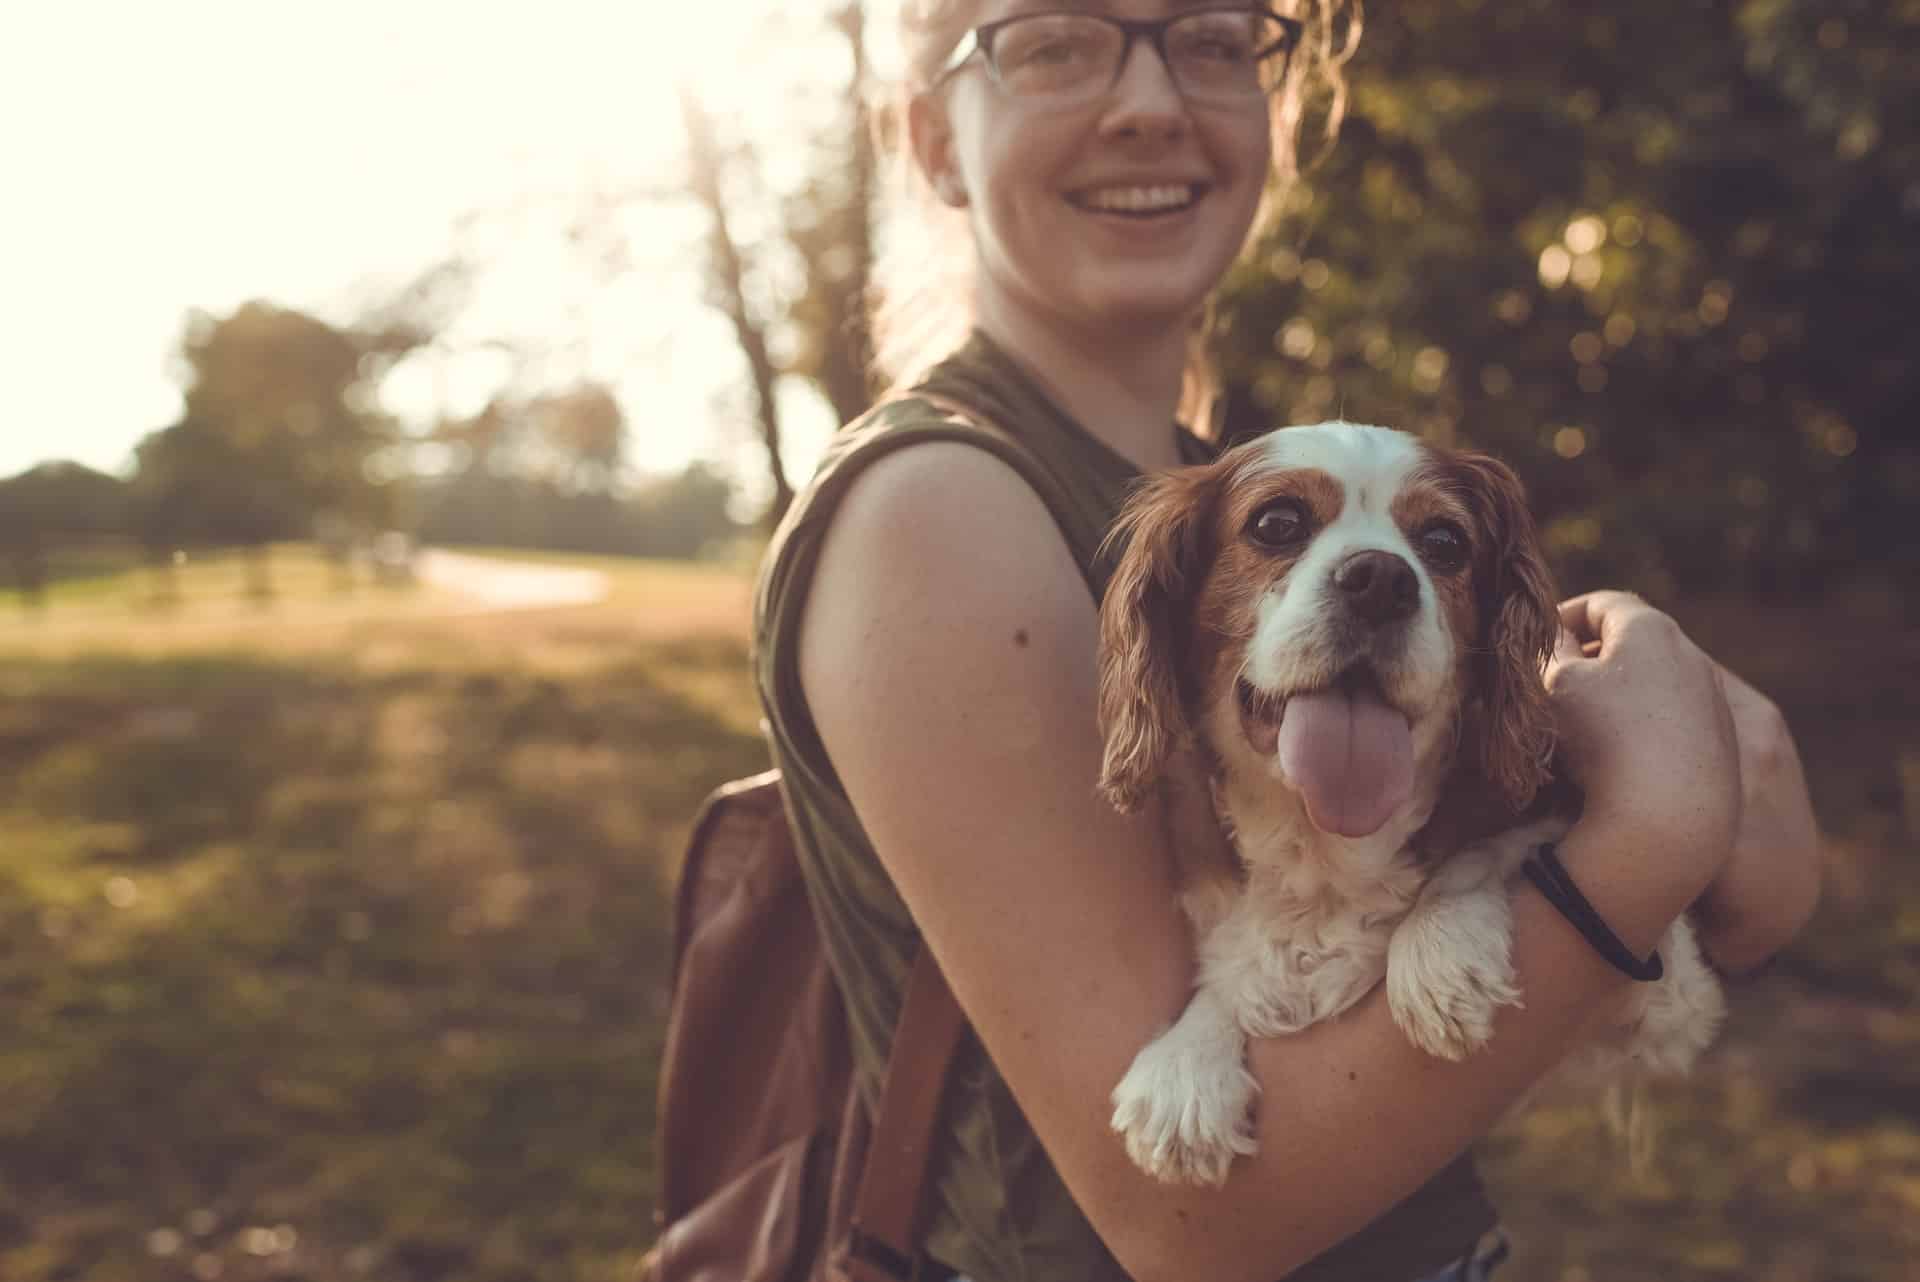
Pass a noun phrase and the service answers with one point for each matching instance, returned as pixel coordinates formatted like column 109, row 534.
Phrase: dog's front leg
column 1681, row 1015
column 1449, row 963
column 1666, row 1025
column 1184, row 1107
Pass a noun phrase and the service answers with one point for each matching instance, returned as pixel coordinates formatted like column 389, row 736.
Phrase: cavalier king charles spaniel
column 1348, row 627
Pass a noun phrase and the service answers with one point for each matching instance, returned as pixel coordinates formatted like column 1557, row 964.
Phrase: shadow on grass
column 335, row 971
column 324, row 975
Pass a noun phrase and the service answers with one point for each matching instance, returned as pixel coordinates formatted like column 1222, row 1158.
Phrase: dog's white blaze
column 1371, row 463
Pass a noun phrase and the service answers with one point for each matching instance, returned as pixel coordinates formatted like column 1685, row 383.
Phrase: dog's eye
column 1278, row 524
column 1443, row 546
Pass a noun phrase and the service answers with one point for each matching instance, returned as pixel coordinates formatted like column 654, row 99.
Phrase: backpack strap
column 889, row 1211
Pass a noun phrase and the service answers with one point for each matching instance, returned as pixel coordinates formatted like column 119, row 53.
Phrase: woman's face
column 1123, row 212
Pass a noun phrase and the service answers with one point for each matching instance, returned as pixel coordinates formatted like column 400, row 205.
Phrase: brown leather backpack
column 770, row 1168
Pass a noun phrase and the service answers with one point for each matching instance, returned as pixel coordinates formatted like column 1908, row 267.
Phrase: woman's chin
column 1134, row 303
column 1168, row 290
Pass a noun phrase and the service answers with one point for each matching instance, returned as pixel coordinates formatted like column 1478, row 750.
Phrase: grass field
column 332, row 936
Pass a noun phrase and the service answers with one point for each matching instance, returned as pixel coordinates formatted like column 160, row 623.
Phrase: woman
column 926, row 641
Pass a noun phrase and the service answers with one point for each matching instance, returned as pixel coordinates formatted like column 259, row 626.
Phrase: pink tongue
column 1350, row 756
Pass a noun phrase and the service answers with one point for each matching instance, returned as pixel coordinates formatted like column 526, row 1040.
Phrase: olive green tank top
column 999, row 1211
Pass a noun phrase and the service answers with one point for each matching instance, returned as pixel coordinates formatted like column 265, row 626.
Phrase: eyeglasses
column 1228, row 55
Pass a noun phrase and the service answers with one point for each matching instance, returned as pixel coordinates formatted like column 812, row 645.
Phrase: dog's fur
column 1207, row 631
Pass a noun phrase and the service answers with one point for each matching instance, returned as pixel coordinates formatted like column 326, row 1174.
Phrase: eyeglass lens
column 1214, row 53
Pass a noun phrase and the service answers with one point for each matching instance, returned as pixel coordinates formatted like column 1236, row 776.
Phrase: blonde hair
column 920, row 303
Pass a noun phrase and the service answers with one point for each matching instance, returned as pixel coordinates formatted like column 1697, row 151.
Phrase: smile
column 1138, row 202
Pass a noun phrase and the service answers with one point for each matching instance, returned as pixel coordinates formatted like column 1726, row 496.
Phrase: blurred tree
column 684, row 515
column 727, row 290
column 280, row 429
column 1659, row 256
column 795, row 299
column 487, row 440
column 574, row 437
column 52, row 504
column 583, row 429
column 829, row 221
column 674, row 516
column 548, row 471
column 197, row 486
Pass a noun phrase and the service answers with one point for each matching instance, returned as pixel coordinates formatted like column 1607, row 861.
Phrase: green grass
column 203, row 600
column 332, row 938
column 368, row 946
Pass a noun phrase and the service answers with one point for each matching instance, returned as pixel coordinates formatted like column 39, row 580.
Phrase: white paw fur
column 1449, row 970
column 1668, row 1025
column 1184, row 1106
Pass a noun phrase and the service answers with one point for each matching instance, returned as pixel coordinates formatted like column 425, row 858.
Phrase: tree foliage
column 676, row 516
column 61, row 499
column 51, row 504
column 279, row 429
column 1658, row 255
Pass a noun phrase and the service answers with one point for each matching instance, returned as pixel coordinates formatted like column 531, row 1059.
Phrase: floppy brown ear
column 1518, row 623
column 1144, row 618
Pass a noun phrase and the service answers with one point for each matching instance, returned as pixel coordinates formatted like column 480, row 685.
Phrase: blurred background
column 398, row 396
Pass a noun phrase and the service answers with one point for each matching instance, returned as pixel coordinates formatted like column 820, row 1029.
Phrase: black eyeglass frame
column 979, row 40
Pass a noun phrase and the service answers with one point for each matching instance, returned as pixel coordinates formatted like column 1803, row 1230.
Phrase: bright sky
column 204, row 152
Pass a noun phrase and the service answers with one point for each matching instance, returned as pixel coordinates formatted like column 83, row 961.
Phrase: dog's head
column 1335, row 606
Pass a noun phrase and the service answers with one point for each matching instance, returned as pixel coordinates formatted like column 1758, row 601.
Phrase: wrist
column 1665, row 812
column 1625, row 881
column 1554, row 881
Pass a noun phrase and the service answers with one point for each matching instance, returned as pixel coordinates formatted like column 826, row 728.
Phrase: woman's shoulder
column 915, row 461
column 900, row 420
column 952, row 511
column 953, row 526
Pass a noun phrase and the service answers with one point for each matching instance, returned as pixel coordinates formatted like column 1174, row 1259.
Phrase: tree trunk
column 846, row 374
column 259, row 572
column 727, row 280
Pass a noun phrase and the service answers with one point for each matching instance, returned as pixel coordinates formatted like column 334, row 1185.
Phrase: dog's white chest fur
column 1280, row 953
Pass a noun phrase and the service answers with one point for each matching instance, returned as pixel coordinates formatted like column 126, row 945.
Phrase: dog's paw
column 1449, row 972
column 1184, row 1108
column 1680, row 1015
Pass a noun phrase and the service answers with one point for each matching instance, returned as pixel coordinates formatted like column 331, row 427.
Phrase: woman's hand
column 1645, row 726
column 1771, row 883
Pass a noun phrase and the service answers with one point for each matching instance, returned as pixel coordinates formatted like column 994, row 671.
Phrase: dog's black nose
column 1378, row 586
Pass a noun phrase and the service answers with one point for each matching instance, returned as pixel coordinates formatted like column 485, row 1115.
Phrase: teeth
column 1140, row 200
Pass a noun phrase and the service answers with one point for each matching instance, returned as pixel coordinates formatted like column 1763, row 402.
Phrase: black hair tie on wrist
column 1545, row 870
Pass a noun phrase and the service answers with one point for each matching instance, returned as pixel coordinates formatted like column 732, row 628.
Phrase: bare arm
column 948, row 657
column 1770, row 887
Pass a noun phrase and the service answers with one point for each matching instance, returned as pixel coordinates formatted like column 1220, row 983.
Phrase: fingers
column 1771, row 884
column 1766, row 744
column 1743, row 697
column 1568, row 651
column 1592, row 623
column 1594, row 616
column 1566, row 645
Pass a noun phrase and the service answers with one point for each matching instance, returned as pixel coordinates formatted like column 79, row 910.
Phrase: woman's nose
column 1144, row 99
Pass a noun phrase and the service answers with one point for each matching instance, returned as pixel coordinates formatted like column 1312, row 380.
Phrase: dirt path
column 509, row 585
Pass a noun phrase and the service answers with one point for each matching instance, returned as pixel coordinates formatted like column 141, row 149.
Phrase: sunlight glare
column 215, row 151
